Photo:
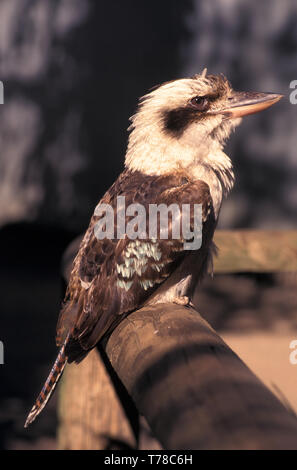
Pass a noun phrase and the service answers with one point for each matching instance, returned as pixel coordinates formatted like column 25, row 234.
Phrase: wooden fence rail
column 192, row 388
column 256, row 251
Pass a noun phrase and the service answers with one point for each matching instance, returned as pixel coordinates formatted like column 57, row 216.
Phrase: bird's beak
column 242, row 103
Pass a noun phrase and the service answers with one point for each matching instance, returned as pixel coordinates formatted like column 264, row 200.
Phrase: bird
column 175, row 155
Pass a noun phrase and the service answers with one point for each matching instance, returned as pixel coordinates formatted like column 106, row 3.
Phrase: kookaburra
column 174, row 155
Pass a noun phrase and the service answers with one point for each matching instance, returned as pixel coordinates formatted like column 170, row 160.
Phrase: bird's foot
column 184, row 300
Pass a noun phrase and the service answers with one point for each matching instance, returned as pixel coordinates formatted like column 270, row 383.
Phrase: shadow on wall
column 72, row 73
column 255, row 45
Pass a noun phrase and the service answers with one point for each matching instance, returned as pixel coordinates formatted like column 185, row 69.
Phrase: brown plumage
column 174, row 156
column 49, row 385
column 91, row 311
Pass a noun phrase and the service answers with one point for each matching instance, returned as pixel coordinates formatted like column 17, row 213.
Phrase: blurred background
column 73, row 71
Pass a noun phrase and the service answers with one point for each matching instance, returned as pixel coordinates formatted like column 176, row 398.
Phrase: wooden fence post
column 91, row 416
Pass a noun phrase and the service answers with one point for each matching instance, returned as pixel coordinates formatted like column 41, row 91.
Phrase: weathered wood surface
column 256, row 251
column 91, row 416
column 192, row 388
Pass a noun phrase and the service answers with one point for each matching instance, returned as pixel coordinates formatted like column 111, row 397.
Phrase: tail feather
column 49, row 386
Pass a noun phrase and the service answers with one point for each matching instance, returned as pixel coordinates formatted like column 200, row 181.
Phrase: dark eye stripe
column 177, row 120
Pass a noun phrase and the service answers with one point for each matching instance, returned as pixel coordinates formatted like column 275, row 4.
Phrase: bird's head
column 185, row 122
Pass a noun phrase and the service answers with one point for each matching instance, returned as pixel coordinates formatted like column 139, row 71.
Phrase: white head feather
column 198, row 149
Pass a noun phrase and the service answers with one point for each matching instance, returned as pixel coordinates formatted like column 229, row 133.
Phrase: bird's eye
column 201, row 103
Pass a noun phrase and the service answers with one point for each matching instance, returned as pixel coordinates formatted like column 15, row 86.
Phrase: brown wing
column 114, row 276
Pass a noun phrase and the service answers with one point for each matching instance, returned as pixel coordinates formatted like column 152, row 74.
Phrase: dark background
column 72, row 72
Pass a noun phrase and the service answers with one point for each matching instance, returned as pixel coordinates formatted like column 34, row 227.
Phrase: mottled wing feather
column 112, row 277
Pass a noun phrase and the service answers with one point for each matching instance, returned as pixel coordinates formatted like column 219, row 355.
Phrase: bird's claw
column 184, row 300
